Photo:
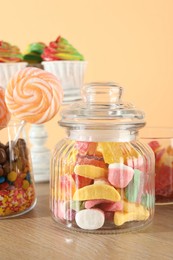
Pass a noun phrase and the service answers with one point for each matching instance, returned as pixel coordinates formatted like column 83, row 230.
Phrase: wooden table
column 36, row 236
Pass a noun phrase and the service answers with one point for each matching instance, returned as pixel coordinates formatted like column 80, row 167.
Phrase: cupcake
column 68, row 64
column 33, row 53
column 10, row 61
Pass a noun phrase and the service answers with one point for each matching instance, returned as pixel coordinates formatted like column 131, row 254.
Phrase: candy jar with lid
column 17, row 190
column 102, row 176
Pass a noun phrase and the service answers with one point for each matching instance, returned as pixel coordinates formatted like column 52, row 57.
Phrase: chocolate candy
column 3, row 156
column 1, row 170
column 16, row 186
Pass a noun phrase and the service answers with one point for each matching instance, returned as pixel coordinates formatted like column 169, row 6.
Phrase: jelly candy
column 99, row 191
column 119, row 175
column 133, row 191
column 90, row 171
column 106, row 179
column 81, row 181
column 139, row 214
column 164, row 171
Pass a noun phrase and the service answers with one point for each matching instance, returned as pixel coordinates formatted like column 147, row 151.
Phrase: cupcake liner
column 71, row 76
column 8, row 69
column 35, row 65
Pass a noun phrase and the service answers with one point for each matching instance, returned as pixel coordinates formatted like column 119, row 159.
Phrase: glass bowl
column 160, row 140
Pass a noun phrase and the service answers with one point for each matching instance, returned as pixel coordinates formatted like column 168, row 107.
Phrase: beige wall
column 127, row 41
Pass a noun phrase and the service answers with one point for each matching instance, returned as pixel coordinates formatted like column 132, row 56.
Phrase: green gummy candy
column 77, row 205
column 148, row 200
column 133, row 188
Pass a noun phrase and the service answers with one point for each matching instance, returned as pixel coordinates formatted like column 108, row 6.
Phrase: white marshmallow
column 90, row 219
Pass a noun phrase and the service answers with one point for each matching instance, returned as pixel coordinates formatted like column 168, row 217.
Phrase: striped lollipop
column 4, row 113
column 34, row 95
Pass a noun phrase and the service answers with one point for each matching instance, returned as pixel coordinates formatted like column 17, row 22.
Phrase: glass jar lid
column 102, row 107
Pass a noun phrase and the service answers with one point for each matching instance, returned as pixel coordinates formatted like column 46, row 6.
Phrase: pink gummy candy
column 119, row 175
column 86, row 147
column 154, row 145
column 112, row 206
column 137, row 163
column 59, row 209
column 91, row 203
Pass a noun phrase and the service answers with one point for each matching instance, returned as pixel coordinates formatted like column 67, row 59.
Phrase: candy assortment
column 17, row 192
column 164, row 170
column 160, row 139
column 33, row 96
column 102, row 176
column 91, row 193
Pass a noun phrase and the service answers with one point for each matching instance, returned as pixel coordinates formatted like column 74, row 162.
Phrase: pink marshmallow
column 119, row 175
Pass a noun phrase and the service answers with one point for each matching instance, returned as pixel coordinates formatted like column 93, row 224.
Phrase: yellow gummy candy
column 90, row 171
column 97, row 191
column 112, row 152
column 131, row 207
column 117, row 152
column 121, row 217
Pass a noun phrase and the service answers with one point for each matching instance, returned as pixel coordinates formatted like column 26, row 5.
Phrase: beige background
column 128, row 41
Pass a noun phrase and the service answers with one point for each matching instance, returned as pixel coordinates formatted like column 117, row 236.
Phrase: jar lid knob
column 102, row 92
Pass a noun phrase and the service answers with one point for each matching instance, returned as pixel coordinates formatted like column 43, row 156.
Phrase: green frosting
column 33, row 52
column 66, row 51
column 37, row 47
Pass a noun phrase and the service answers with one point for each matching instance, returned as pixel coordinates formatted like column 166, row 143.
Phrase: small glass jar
column 102, row 176
column 160, row 139
column 17, row 190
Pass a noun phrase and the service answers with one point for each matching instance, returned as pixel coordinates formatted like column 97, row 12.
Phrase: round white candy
column 90, row 219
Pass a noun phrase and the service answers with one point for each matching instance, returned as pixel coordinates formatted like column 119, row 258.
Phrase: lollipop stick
column 18, row 132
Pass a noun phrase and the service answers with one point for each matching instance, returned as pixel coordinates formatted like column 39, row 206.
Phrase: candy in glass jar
column 102, row 176
column 160, row 139
column 17, row 189
column 32, row 95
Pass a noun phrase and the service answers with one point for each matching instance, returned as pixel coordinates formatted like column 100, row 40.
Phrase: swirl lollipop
column 4, row 113
column 34, row 95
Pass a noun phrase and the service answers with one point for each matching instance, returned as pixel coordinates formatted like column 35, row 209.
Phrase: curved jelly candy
column 90, row 171
column 97, row 191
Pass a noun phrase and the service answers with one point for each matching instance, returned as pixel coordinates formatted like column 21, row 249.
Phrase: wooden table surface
column 36, row 235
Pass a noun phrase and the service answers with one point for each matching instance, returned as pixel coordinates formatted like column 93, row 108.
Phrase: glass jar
column 102, row 176
column 17, row 190
column 160, row 139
